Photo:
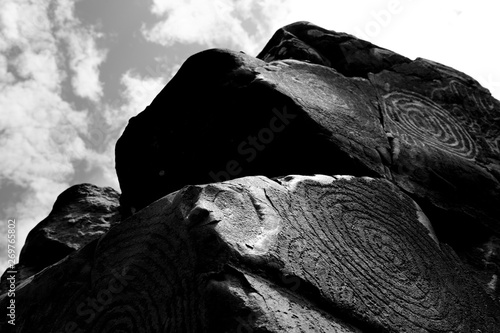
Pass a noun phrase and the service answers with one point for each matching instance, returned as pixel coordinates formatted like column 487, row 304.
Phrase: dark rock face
column 443, row 128
column 248, row 118
column 80, row 214
column 350, row 56
column 341, row 106
column 305, row 254
column 409, row 242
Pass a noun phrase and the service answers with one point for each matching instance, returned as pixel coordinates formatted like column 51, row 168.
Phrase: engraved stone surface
column 300, row 253
column 249, row 118
column 404, row 238
column 418, row 121
column 442, row 126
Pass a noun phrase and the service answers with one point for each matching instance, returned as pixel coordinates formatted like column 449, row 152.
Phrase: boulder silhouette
column 300, row 253
column 81, row 213
column 326, row 185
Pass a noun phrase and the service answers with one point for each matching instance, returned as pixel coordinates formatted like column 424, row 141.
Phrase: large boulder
column 347, row 54
column 81, row 213
column 249, row 117
column 219, row 238
column 297, row 254
column 443, row 129
column 318, row 101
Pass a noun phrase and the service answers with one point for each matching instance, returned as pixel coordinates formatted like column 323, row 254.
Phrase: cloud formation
column 244, row 24
column 248, row 24
column 138, row 92
column 41, row 133
column 84, row 63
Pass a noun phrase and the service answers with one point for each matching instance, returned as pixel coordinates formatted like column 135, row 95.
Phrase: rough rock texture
column 341, row 106
column 80, row 214
column 410, row 242
column 347, row 54
column 300, row 254
column 443, row 130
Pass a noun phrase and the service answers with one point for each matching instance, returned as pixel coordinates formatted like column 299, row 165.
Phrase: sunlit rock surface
column 310, row 254
column 407, row 240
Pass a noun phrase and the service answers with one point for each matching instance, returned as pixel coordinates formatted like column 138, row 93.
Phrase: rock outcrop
column 328, row 103
column 80, row 214
column 303, row 254
column 408, row 242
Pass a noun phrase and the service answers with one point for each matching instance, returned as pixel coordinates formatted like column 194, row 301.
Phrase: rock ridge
column 326, row 185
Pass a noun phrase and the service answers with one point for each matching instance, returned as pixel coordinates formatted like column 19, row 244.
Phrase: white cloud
column 457, row 33
column 38, row 66
column 5, row 76
column 84, row 55
column 138, row 92
column 15, row 29
column 330, row 14
column 85, row 62
column 42, row 136
column 215, row 23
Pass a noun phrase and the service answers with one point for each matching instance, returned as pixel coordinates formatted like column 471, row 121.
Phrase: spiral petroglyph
column 477, row 110
column 420, row 122
column 161, row 274
column 354, row 234
column 230, row 219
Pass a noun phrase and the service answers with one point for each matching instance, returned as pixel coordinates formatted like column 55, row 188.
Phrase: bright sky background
column 72, row 72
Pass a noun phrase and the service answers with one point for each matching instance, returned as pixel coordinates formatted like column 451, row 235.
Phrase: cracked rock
column 326, row 185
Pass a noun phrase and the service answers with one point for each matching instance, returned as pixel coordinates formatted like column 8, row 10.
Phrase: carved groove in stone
column 419, row 122
column 159, row 264
column 363, row 246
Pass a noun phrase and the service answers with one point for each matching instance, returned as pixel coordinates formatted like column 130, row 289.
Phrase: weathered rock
column 301, row 254
column 347, row 54
column 80, row 214
column 248, row 118
column 414, row 248
column 442, row 126
column 341, row 106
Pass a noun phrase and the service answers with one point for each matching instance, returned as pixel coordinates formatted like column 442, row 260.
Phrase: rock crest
column 232, row 220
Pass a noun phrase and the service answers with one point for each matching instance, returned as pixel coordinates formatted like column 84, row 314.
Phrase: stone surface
column 303, row 111
column 349, row 55
column 318, row 101
column 80, row 214
column 408, row 242
column 298, row 254
column 443, row 128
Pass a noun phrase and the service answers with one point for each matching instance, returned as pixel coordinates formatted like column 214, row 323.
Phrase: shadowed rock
column 80, row 214
column 310, row 254
column 408, row 243
column 249, row 118
column 347, row 54
column 325, row 102
column 443, row 128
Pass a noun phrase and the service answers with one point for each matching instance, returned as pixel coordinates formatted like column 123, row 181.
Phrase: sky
column 72, row 72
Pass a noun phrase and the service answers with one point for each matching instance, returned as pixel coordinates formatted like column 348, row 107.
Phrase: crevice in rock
column 350, row 251
column 345, row 53
column 465, row 236
column 303, row 289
